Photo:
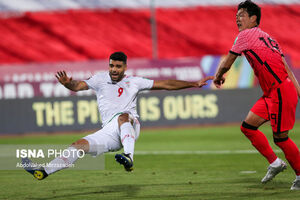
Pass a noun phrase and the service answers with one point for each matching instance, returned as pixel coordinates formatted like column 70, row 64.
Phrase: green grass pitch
column 215, row 162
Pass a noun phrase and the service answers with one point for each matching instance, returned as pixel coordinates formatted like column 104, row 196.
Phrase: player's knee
column 245, row 127
column 282, row 136
column 81, row 144
column 123, row 118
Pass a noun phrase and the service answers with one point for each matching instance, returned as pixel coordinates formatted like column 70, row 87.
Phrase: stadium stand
column 76, row 30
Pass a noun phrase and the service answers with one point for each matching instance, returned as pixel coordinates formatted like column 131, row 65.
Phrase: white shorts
column 108, row 138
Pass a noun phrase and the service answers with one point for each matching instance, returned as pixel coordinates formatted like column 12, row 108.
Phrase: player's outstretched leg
column 37, row 172
column 274, row 168
column 125, row 160
column 70, row 155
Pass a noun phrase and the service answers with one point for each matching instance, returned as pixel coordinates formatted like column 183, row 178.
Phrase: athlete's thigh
column 105, row 140
column 258, row 114
column 283, row 105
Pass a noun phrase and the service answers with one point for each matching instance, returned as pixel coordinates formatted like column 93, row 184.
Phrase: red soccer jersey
column 264, row 55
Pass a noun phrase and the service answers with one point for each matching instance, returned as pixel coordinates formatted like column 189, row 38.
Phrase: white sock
column 276, row 163
column 297, row 177
column 128, row 138
column 69, row 156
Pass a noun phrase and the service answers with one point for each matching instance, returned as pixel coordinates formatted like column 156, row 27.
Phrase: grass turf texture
column 161, row 176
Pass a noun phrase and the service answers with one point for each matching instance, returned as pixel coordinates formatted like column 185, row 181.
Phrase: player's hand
column 63, row 78
column 203, row 81
column 219, row 81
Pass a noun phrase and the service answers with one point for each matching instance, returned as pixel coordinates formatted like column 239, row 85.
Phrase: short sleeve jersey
column 264, row 55
column 114, row 98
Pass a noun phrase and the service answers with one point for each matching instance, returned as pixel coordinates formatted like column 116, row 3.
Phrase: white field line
column 217, row 152
column 198, row 152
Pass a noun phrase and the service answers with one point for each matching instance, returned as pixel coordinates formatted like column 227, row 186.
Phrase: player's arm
column 177, row 84
column 291, row 76
column 224, row 66
column 69, row 83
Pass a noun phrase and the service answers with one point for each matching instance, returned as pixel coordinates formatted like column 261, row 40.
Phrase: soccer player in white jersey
column 116, row 96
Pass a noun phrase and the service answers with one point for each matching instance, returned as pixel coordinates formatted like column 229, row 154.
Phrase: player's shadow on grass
column 119, row 190
column 253, row 187
column 256, row 184
column 124, row 190
column 133, row 190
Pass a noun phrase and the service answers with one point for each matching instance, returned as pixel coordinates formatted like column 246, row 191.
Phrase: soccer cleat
column 38, row 173
column 273, row 171
column 296, row 185
column 125, row 160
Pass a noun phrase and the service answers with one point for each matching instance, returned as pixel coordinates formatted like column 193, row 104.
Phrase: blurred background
column 170, row 39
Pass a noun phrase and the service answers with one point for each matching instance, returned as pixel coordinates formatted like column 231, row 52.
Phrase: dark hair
column 120, row 56
column 252, row 9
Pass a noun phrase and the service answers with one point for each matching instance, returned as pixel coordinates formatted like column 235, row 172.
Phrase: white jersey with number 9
column 113, row 98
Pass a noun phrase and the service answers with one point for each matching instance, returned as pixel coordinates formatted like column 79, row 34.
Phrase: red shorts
column 279, row 107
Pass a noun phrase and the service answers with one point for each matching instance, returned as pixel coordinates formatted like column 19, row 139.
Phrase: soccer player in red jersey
column 279, row 85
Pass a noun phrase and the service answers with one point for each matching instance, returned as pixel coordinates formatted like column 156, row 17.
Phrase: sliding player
column 116, row 97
